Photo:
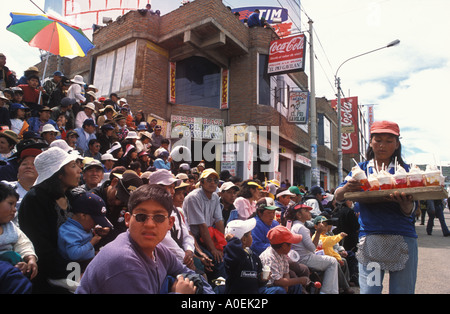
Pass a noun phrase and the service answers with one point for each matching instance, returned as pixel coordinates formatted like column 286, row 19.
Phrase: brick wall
column 150, row 85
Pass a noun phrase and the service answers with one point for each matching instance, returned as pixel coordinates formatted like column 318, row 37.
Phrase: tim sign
column 287, row 55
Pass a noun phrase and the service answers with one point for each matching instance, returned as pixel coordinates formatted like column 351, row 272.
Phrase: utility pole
column 315, row 172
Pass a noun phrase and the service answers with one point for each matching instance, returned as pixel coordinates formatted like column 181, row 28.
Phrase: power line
column 37, row 7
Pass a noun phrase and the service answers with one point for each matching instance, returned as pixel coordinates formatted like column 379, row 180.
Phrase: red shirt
column 30, row 94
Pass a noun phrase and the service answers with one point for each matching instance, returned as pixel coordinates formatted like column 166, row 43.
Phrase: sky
column 407, row 83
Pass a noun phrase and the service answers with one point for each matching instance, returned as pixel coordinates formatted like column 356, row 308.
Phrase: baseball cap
column 228, row 185
column 320, row 219
column 163, row 177
column 89, row 122
column 108, row 156
column 253, row 183
column 129, row 182
column 207, row 172
column 266, row 203
column 93, row 205
column 385, row 127
column 182, row 176
column 281, row 234
column 240, row 227
column 90, row 162
column 294, row 189
column 284, row 192
column 16, row 106
column 317, row 190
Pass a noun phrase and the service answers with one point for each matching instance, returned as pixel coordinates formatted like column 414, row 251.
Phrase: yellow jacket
column 327, row 245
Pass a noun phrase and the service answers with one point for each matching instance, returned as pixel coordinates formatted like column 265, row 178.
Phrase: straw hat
column 10, row 135
column 51, row 161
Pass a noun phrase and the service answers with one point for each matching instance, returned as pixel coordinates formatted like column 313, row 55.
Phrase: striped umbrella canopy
column 50, row 34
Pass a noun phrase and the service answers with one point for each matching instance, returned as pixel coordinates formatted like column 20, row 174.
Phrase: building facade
column 203, row 74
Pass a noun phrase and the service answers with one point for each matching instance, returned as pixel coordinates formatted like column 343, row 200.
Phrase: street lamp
column 338, row 84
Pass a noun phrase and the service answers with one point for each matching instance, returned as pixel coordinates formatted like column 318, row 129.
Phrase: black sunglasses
column 158, row 218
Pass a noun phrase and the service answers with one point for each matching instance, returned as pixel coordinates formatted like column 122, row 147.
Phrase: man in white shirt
column 87, row 113
column 314, row 200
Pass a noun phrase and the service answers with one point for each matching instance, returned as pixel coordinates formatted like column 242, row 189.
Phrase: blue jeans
column 436, row 212
column 400, row 282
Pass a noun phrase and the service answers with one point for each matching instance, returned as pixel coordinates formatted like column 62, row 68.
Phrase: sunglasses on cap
column 157, row 218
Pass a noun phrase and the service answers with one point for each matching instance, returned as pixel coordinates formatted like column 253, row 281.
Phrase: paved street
column 433, row 275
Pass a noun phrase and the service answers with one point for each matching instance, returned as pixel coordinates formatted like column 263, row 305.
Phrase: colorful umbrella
column 50, row 34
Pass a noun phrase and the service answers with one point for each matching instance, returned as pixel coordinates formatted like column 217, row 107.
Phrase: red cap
column 385, row 127
column 281, row 234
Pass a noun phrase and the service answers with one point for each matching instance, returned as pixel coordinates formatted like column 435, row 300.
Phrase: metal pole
column 315, row 173
column 338, row 84
column 340, row 157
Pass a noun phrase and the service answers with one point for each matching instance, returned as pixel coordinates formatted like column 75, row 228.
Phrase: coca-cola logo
column 284, row 46
column 346, row 111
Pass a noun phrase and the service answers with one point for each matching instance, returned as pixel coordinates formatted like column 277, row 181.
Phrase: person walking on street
column 388, row 239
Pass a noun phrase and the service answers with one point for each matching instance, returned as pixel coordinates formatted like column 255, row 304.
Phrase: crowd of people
column 71, row 164
column 87, row 182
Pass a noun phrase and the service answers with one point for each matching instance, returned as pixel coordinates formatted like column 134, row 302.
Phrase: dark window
column 264, row 81
column 198, row 82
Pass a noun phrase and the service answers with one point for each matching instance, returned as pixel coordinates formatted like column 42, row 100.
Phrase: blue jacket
column 161, row 164
column 253, row 20
column 83, row 141
column 74, row 242
column 385, row 217
column 259, row 234
column 36, row 125
column 242, row 267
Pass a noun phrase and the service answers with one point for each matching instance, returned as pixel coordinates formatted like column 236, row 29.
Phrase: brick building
column 203, row 74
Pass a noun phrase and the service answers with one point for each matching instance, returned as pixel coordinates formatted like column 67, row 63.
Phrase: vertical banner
column 172, row 76
column 370, row 116
column 349, row 124
column 298, row 110
column 224, row 89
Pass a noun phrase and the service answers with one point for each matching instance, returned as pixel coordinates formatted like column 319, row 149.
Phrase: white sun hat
column 49, row 162
column 50, row 128
column 78, row 79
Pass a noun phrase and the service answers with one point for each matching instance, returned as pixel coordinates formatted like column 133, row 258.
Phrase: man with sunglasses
column 135, row 262
column 204, row 216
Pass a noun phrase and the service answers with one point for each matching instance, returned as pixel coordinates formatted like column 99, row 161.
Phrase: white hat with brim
column 50, row 128
column 78, row 79
column 163, row 177
column 51, row 161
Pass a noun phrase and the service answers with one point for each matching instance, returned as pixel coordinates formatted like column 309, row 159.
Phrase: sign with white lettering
column 287, row 55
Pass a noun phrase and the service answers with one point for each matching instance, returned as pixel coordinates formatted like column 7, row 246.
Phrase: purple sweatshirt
column 120, row 267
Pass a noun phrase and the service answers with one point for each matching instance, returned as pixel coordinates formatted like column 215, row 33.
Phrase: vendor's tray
column 418, row 193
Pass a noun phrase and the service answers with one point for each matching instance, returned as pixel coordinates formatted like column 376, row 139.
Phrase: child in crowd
column 328, row 241
column 78, row 235
column 243, row 267
column 327, row 244
column 15, row 247
column 275, row 256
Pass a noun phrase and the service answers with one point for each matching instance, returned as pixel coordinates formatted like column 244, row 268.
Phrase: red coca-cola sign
column 287, row 55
